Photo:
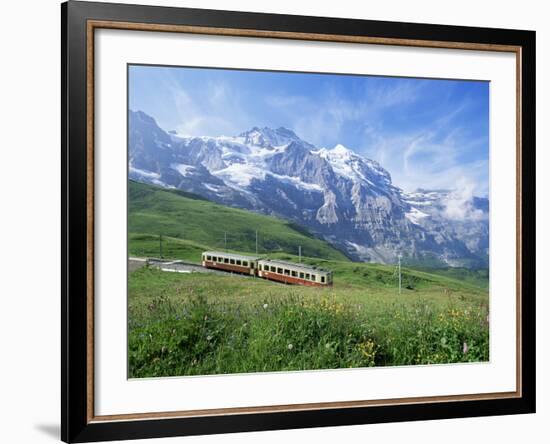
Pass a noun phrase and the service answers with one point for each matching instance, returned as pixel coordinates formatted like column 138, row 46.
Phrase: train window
column 245, row 264
column 313, row 277
column 238, row 262
column 280, row 270
column 307, row 276
column 294, row 273
column 323, row 279
column 225, row 260
column 208, row 258
column 273, row 269
column 287, row 272
column 232, row 261
column 301, row 275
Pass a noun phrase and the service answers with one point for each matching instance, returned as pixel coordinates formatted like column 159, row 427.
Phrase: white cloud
column 322, row 120
column 459, row 204
column 217, row 110
column 433, row 157
column 429, row 157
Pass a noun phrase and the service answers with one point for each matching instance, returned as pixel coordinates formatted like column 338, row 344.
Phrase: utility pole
column 300, row 253
column 256, row 241
column 160, row 245
column 225, row 240
column 399, row 267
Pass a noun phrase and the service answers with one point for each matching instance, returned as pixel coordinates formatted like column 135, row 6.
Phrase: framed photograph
column 275, row 221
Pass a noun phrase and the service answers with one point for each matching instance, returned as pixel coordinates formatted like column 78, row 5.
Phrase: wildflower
column 205, row 317
column 289, row 346
column 265, row 306
column 464, row 348
column 209, row 338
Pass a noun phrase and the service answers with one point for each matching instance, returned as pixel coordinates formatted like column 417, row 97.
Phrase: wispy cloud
column 426, row 133
column 423, row 156
column 217, row 110
column 459, row 203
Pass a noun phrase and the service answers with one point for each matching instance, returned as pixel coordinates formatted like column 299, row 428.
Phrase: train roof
column 295, row 264
column 231, row 255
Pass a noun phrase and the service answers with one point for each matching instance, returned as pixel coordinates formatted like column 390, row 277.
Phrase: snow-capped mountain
column 340, row 196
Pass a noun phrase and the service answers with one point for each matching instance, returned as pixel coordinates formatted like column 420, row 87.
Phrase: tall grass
column 191, row 330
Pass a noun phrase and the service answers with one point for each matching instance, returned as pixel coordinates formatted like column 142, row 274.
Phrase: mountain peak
column 269, row 137
column 267, row 131
column 341, row 150
column 286, row 132
column 143, row 117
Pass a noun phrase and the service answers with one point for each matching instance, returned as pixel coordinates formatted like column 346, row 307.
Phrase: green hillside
column 373, row 276
column 198, row 324
column 190, row 224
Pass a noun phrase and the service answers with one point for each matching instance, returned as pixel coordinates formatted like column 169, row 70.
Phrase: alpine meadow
column 298, row 221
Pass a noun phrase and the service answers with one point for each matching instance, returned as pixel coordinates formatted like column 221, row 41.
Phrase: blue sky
column 427, row 133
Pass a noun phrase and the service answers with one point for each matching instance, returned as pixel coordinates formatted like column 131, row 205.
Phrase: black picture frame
column 76, row 423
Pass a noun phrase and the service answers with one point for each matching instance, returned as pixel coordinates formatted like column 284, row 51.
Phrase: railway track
column 175, row 266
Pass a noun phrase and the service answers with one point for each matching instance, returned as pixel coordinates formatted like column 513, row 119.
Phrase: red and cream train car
column 291, row 273
column 236, row 263
column 274, row 270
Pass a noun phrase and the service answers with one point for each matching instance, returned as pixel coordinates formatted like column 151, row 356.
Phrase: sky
column 428, row 133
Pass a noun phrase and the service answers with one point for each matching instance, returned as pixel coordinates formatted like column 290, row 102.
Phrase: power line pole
column 300, row 253
column 225, row 240
column 256, row 241
column 399, row 267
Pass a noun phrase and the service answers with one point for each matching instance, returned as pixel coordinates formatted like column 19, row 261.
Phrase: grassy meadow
column 198, row 324
column 190, row 225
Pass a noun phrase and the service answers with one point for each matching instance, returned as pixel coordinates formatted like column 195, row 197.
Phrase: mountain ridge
column 344, row 198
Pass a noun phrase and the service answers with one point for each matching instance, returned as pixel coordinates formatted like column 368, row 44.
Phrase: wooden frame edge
column 90, row 207
column 336, row 38
column 92, row 25
column 285, row 408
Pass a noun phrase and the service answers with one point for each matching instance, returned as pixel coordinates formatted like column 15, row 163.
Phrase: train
column 274, row 270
